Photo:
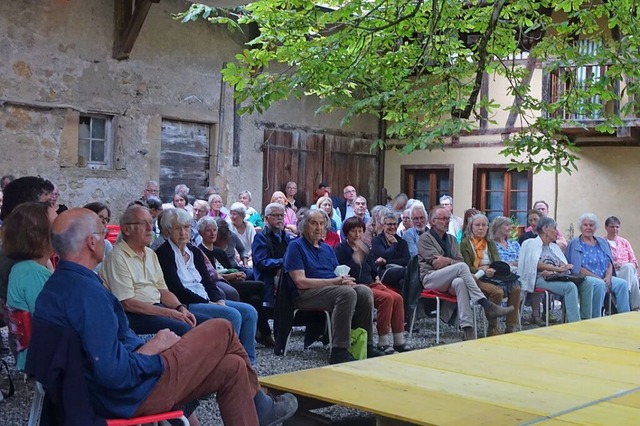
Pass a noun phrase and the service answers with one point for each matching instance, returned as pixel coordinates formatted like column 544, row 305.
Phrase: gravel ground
column 15, row 410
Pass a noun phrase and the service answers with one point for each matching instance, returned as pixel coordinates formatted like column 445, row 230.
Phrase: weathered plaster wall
column 56, row 59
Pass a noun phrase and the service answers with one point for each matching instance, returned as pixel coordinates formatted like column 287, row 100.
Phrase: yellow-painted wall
column 606, row 183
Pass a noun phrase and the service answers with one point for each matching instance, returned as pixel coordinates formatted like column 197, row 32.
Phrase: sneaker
column 495, row 311
column 340, row 355
column 284, row 406
column 402, row 348
column 387, row 349
column 373, row 352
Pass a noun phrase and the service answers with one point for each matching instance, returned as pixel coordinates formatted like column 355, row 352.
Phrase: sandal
column 387, row 349
column 402, row 348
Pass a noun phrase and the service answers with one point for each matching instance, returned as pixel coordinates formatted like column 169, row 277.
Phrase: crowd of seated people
column 189, row 261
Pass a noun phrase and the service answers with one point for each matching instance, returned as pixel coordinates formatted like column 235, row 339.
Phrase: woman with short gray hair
column 540, row 258
column 242, row 228
column 391, row 253
column 186, row 274
column 591, row 256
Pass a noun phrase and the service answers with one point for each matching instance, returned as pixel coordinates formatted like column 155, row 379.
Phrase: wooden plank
column 394, row 400
column 541, row 376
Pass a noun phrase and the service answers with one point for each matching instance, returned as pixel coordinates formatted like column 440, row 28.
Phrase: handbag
column 358, row 347
column 574, row 278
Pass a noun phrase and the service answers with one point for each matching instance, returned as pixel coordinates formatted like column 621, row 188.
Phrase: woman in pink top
column 290, row 218
column 624, row 260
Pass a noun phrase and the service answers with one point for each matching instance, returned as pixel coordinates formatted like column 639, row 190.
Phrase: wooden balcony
column 582, row 123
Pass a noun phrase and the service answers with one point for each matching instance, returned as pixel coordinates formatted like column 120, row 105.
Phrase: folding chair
column 328, row 329
column 41, row 352
column 38, row 400
column 438, row 296
column 547, row 298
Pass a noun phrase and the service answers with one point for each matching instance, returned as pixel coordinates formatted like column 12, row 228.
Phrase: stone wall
column 56, row 64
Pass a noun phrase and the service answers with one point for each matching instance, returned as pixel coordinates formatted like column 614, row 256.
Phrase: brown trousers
column 390, row 308
column 208, row 359
column 495, row 294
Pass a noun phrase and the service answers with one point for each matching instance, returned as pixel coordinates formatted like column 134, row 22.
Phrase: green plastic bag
column 358, row 348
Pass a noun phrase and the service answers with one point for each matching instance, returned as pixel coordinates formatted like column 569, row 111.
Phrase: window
column 95, row 141
column 427, row 183
column 500, row 192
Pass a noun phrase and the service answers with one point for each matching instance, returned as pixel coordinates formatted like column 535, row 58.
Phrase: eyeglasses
column 418, row 218
column 102, row 233
column 104, row 219
column 153, row 191
column 276, row 215
column 143, row 223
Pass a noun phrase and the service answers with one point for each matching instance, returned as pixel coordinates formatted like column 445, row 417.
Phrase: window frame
column 109, row 140
column 480, row 172
column 407, row 177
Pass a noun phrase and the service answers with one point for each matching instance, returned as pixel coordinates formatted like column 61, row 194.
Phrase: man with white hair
column 419, row 219
column 150, row 190
column 132, row 273
column 127, row 377
column 455, row 222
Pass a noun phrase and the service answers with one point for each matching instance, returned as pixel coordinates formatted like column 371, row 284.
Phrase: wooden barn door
column 291, row 156
column 349, row 161
column 310, row 158
column 184, row 158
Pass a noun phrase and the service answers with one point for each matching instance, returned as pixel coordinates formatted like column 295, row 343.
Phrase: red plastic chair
column 38, row 399
column 438, row 296
column 155, row 418
column 112, row 235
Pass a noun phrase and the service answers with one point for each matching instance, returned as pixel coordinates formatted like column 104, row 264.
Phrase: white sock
column 398, row 339
column 383, row 340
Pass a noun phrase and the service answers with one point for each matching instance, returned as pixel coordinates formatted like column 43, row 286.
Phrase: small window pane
column 495, row 181
column 97, row 151
column 494, row 201
column 85, row 123
column 83, row 151
column 520, row 181
column 97, row 128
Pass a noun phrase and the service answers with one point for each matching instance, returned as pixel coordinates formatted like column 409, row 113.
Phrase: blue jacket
column 574, row 253
column 118, row 378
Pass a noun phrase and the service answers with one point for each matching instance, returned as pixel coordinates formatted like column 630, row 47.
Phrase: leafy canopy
column 419, row 64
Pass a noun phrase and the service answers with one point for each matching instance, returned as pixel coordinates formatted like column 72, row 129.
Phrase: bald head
column 77, row 236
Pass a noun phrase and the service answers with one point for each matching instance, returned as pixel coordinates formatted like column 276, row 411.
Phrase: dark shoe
column 538, row 321
column 284, row 406
column 373, row 352
column 493, row 331
column 340, row 355
column 510, row 329
column 468, row 334
column 266, row 341
column 402, row 348
column 387, row 349
column 495, row 311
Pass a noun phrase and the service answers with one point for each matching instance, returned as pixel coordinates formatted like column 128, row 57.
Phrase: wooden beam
column 128, row 20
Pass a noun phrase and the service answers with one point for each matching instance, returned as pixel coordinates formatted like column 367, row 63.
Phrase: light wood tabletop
column 580, row 373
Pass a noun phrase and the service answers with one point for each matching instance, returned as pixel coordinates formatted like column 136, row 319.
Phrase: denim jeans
column 242, row 316
column 570, row 292
column 151, row 324
column 619, row 289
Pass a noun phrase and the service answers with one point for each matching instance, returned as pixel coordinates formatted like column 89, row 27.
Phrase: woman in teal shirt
column 26, row 238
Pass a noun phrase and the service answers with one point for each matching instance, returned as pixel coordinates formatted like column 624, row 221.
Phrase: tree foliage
column 419, row 64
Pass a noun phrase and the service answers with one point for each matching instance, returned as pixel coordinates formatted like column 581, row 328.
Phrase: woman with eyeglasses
column 480, row 253
column 103, row 211
column 391, row 253
column 624, row 260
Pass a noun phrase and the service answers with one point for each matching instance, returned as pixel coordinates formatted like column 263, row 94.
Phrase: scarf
column 445, row 244
column 479, row 246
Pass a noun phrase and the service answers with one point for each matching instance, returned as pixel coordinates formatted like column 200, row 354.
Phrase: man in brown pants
column 127, row 377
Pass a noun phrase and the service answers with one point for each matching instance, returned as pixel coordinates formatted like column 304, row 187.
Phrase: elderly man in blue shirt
column 128, row 377
column 311, row 264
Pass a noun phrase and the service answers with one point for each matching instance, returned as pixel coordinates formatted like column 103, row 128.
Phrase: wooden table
column 580, row 373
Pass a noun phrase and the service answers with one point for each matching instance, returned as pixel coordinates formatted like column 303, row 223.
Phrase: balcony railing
column 565, row 79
